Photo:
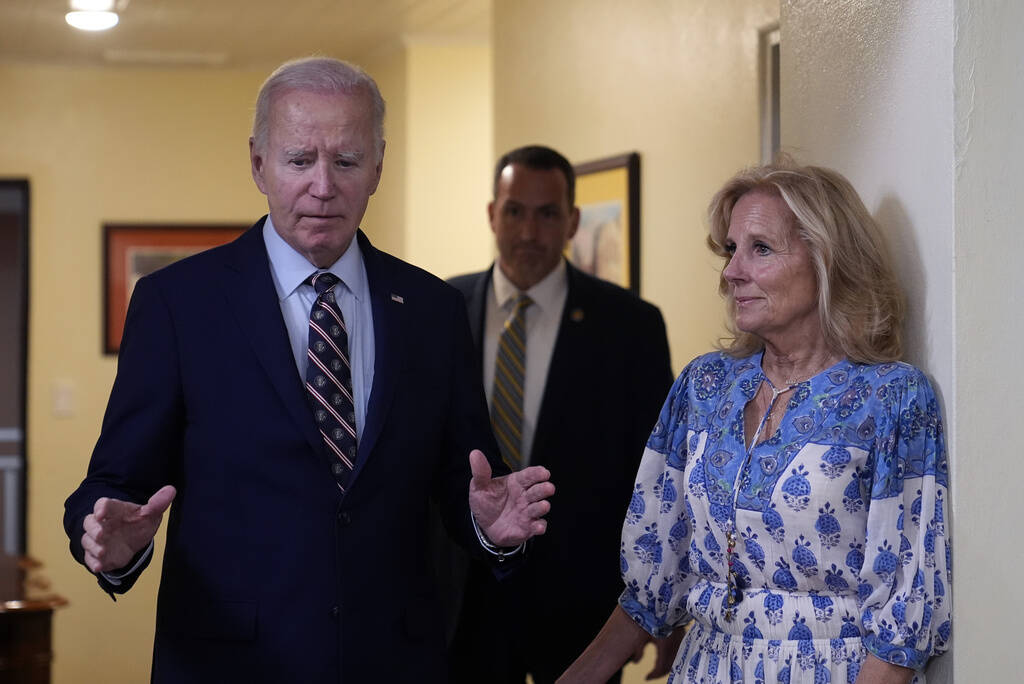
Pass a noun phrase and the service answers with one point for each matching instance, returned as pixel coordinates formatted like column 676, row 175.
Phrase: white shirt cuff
column 116, row 579
column 501, row 552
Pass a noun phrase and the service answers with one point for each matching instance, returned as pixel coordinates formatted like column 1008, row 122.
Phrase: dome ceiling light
column 92, row 15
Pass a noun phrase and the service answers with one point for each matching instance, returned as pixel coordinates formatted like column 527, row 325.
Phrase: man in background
column 299, row 396
column 576, row 370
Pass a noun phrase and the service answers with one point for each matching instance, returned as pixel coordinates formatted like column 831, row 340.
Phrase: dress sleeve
column 656, row 533
column 905, row 580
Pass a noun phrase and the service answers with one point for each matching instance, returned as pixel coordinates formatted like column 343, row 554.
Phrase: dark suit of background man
column 284, row 563
column 597, row 370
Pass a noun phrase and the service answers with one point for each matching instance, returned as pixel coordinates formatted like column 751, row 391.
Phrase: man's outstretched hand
column 116, row 530
column 509, row 509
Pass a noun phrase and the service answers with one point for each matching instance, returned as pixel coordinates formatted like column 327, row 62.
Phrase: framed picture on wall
column 607, row 244
column 131, row 251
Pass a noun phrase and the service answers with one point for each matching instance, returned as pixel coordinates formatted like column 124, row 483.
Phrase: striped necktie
column 507, row 394
column 329, row 377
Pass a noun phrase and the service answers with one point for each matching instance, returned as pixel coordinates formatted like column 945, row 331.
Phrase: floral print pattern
column 841, row 539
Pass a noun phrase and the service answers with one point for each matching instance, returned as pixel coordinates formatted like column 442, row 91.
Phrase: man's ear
column 257, row 163
column 574, row 219
column 490, row 214
column 380, row 167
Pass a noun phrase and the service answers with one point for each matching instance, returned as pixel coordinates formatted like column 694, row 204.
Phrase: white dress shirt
column 289, row 269
column 543, row 318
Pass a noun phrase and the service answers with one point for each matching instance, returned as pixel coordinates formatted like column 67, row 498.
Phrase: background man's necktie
column 329, row 377
column 507, row 394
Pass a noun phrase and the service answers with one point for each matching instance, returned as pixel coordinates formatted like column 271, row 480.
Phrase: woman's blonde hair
column 859, row 299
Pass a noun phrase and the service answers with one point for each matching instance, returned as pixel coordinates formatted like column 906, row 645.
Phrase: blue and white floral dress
column 841, row 541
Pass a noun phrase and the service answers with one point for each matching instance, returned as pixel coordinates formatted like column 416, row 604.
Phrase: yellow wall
column 384, row 221
column 449, row 157
column 430, row 208
column 675, row 80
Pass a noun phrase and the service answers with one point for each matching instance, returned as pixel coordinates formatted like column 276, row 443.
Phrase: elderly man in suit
column 300, row 396
column 576, row 369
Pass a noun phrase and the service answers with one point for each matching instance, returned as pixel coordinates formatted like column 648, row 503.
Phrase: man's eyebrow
column 354, row 155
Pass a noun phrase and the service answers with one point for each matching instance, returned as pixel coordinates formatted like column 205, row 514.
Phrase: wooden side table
column 26, row 611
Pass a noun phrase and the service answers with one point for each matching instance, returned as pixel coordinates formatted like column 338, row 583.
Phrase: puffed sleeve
column 656, row 533
column 905, row 580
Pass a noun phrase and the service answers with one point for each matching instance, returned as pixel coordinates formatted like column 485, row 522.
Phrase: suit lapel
column 252, row 299
column 568, row 360
column 476, row 309
column 389, row 329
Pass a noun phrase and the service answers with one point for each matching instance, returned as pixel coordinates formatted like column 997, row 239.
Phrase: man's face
column 318, row 169
column 532, row 222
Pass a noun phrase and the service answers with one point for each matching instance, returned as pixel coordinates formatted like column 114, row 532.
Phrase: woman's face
column 770, row 275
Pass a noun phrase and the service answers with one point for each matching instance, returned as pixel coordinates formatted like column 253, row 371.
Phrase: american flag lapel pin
column 397, row 298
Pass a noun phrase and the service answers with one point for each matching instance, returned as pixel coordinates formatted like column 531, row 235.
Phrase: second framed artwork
column 607, row 243
column 131, row 251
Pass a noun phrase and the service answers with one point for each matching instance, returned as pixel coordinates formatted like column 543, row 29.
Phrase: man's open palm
column 509, row 509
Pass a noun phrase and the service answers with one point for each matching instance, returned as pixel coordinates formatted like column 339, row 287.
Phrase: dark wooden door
column 13, row 347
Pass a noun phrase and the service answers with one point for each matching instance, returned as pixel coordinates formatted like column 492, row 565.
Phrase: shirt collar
column 545, row 294
column 289, row 268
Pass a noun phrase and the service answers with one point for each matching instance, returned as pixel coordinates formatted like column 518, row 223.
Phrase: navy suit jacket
column 270, row 574
column 609, row 375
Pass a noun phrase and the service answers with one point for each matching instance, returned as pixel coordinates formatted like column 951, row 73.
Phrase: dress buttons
column 334, row 612
column 344, row 518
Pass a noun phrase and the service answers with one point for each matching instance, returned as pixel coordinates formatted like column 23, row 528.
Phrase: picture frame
column 607, row 242
column 131, row 251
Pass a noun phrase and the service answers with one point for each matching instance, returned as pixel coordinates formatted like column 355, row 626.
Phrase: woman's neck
column 785, row 367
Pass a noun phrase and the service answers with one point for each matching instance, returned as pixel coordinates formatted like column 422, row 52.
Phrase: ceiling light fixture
column 92, row 21
column 92, row 15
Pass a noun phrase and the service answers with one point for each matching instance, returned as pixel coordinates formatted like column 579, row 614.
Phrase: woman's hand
column 608, row 652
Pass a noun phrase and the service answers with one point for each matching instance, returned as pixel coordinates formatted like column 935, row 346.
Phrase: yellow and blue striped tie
column 507, row 395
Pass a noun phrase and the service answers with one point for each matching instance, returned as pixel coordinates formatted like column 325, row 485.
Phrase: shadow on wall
column 909, row 266
column 906, row 255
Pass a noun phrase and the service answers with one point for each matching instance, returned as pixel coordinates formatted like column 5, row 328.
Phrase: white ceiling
column 233, row 33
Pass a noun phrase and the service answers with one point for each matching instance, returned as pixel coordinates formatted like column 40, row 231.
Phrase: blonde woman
column 792, row 497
